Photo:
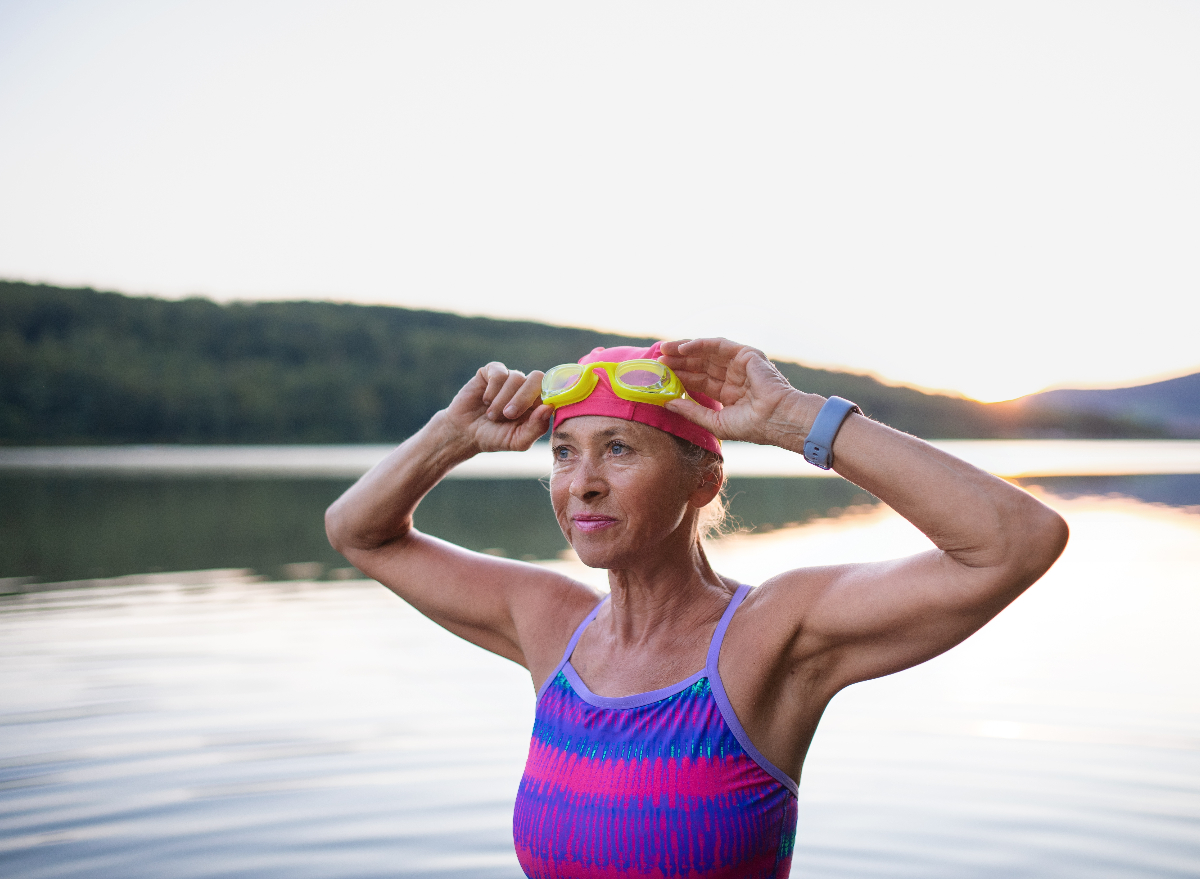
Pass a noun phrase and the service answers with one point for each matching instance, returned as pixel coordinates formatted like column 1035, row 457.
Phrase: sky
column 991, row 198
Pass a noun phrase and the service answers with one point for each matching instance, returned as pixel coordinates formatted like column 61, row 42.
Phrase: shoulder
column 546, row 611
column 771, row 629
column 781, row 604
column 782, row 632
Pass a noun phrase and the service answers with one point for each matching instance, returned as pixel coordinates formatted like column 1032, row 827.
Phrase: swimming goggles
column 640, row 381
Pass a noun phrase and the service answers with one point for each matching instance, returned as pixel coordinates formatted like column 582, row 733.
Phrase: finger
column 709, row 357
column 533, row 428
column 695, row 413
column 494, row 375
column 708, row 383
column 469, row 399
column 716, row 367
column 528, row 395
column 671, row 349
column 697, row 350
column 511, row 384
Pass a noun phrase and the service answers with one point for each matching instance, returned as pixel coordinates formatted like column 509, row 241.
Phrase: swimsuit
column 659, row 784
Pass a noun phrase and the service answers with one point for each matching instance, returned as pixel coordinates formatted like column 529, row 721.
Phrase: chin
column 593, row 558
column 595, row 554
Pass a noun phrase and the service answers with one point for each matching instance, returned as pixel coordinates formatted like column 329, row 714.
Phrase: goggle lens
column 560, row 379
column 643, row 377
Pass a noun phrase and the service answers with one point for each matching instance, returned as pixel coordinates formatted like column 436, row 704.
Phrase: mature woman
column 674, row 714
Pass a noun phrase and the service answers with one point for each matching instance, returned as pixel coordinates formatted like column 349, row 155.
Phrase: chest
column 612, row 669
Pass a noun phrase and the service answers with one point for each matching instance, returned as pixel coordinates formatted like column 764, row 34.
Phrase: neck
column 675, row 589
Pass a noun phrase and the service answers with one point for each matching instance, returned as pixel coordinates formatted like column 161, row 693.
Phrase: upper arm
column 517, row 610
column 869, row 620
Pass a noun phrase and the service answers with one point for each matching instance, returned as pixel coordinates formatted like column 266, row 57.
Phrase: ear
column 711, row 480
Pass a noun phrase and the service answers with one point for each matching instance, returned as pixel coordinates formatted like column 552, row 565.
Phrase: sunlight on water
column 1062, row 740
column 243, row 728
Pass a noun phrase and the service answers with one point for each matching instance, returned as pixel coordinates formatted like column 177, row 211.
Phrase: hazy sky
column 989, row 197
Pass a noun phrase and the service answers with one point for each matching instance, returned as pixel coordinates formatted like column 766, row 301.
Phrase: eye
column 618, row 448
column 561, row 453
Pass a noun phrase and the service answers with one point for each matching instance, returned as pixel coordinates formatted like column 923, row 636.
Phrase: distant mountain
column 1174, row 403
column 81, row 366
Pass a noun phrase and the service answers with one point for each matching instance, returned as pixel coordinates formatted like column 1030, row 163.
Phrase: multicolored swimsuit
column 660, row 784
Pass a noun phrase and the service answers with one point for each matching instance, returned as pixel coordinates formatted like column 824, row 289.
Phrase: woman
column 674, row 715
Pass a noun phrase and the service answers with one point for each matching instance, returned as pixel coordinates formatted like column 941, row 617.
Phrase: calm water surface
column 221, row 724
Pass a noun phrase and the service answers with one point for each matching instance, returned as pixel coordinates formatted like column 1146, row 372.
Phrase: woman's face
column 621, row 492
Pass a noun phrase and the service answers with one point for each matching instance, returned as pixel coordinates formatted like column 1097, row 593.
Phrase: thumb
column 535, row 426
column 695, row 413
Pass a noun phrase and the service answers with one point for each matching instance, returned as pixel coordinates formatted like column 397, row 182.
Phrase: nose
column 587, row 480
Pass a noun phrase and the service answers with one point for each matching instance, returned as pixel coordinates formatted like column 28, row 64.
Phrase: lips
column 591, row 522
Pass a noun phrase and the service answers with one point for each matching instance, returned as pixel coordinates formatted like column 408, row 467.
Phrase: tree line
column 80, row 366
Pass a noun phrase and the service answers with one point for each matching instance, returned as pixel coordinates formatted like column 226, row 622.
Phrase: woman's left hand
column 757, row 400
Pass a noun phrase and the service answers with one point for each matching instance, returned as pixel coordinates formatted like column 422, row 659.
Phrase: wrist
column 449, row 443
column 792, row 420
column 818, row 445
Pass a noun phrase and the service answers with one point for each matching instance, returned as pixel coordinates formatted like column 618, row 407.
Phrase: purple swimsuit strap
column 571, row 644
column 714, row 647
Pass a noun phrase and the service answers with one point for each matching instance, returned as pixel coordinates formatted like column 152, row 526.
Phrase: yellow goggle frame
column 571, row 382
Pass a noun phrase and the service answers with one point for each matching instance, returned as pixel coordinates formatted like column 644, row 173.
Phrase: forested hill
column 1174, row 403
column 81, row 366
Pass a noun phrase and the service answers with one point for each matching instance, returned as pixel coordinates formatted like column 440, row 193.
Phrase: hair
column 714, row 516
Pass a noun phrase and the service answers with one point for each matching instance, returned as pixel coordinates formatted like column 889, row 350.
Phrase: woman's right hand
column 520, row 611
column 500, row 409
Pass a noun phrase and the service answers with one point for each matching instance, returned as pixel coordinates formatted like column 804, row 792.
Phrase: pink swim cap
column 602, row 401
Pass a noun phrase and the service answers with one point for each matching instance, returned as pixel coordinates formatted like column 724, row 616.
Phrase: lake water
column 269, row 714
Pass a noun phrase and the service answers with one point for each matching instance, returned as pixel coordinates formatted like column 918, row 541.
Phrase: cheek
column 560, row 497
column 660, row 500
column 558, row 493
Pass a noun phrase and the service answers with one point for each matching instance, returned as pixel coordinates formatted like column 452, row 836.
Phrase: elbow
column 334, row 532
column 1057, row 535
column 1045, row 537
column 348, row 532
column 339, row 527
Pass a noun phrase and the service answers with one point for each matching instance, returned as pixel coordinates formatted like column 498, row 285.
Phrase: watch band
column 818, row 446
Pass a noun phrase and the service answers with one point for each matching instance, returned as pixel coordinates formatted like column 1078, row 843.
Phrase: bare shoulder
column 547, row 609
column 772, row 628
column 777, row 608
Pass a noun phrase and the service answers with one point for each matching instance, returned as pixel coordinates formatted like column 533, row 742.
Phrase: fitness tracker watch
column 818, row 446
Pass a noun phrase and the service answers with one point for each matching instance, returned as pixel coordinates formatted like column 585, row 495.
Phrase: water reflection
column 65, row 528
column 1182, row 490
column 216, row 724
column 73, row 528
column 323, row 729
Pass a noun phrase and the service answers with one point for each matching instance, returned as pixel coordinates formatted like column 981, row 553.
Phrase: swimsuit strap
column 571, row 644
column 714, row 647
column 722, row 698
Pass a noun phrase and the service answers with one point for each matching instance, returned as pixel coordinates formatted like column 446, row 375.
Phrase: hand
column 501, row 409
column 753, row 393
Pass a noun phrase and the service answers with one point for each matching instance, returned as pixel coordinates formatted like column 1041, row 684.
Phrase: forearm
column 978, row 519
column 378, row 508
